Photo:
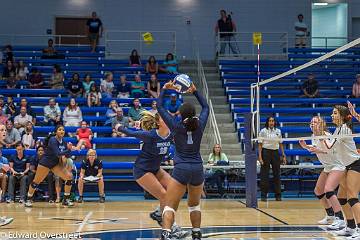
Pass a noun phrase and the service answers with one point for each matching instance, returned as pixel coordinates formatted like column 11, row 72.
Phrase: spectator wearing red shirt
column 84, row 136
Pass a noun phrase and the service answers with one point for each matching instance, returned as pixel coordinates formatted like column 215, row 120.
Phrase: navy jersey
column 54, row 151
column 91, row 170
column 154, row 148
column 187, row 144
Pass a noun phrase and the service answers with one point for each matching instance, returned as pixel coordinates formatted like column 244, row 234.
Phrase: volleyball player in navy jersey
column 54, row 159
column 188, row 170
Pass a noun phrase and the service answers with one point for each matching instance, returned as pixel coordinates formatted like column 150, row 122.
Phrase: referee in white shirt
column 269, row 155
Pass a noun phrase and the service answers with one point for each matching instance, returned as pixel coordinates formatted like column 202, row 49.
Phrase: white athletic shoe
column 326, row 220
column 5, row 220
column 355, row 235
column 178, row 233
column 337, row 224
column 345, row 232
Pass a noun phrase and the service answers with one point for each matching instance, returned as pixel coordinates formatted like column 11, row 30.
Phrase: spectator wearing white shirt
column 72, row 115
column 301, row 32
column 269, row 155
column 107, row 85
column 52, row 113
column 22, row 119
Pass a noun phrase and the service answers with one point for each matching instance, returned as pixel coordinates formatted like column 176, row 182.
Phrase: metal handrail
column 13, row 37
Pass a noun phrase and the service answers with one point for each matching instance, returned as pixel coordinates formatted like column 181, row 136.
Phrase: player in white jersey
column 330, row 177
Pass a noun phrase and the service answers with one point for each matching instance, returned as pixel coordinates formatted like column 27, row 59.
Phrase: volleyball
column 182, row 83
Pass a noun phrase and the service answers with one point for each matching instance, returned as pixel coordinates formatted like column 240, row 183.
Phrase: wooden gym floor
column 222, row 219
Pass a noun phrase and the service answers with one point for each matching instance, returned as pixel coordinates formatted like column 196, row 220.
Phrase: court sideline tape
column 82, row 225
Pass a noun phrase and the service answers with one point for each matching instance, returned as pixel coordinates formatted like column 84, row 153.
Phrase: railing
column 322, row 42
column 41, row 40
column 120, row 43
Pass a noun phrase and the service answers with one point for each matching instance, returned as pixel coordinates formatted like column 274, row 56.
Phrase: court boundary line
column 267, row 214
column 84, row 222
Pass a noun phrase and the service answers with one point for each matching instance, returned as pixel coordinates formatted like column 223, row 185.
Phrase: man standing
column 301, row 32
column 225, row 26
column 94, row 25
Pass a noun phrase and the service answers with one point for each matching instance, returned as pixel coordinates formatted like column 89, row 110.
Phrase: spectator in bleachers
column 3, row 117
column 107, row 85
column 2, row 103
column 50, row 177
column 356, row 87
column 19, row 168
column 11, row 81
column 52, row 113
column 95, row 30
column 301, row 32
column 8, row 68
column 134, row 59
column 119, row 119
column 225, row 26
column 137, row 88
column 87, row 84
column 310, row 87
column 94, row 96
column 153, row 109
column 9, row 108
column 8, row 54
column 217, row 158
column 173, row 104
column 12, row 135
column 84, row 136
column 170, row 64
column 72, row 115
column 21, row 71
column 135, row 111
column 91, row 166
column 50, row 51
column 22, row 119
column 111, row 112
column 153, row 87
column 75, row 87
column 152, row 67
column 28, row 138
column 24, row 103
column 124, row 88
column 36, row 79
column 57, row 78
column 4, row 169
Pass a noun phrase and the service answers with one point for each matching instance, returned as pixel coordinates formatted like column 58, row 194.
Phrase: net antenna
column 255, row 87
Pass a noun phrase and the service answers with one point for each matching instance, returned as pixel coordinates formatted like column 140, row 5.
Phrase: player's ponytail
column 149, row 120
column 190, row 121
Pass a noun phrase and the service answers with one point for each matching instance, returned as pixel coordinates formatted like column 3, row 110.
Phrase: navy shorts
column 138, row 172
column 47, row 163
column 355, row 166
column 189, row 173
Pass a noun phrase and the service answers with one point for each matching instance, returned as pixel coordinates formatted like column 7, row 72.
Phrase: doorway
column 71, row 26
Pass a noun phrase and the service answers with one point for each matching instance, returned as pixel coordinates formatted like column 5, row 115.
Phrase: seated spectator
column 134, row 59
column 153, row 87
column 173, row 104
column 9, row 108
column 153, row 109
column 3, row 117
column 52, row 113
column 49, row 51
column 8, row 68
column 170, row 64
column 119, row 119
column 111, row 112
column 356, row 87
column 310, row 87
column 8, row 54
column 107, row 85
column 91, row 166
column 19, row 168
column 72, row 115
column 124, row 88
column 152, row 67
column 87, row 84
column 50, row 177
column 28, row 138
column 22, row 119
column 135, row 111
column 12, row 135
column 11, row 81
column 2, row 103
column 217, row 158
column 84, row 136
column 75, row 87
column 36, row 79
column 21, row 71
column 137, row 88
column 94, row 96
column 4, row 169
column 57, row 78
column 24, row 103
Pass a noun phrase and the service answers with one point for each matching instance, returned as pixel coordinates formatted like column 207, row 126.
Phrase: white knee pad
column 195, row 208
column 168, row 209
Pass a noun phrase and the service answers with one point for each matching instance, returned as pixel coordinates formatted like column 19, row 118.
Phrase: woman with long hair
column 188, row 173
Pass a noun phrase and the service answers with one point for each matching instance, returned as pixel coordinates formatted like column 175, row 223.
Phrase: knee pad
column 352, row 201
column 195, row 208
column 167, row 209
column 68, row 182
column 329, row 194
column 34, row 185
column 342, row 201
column 320, row 196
